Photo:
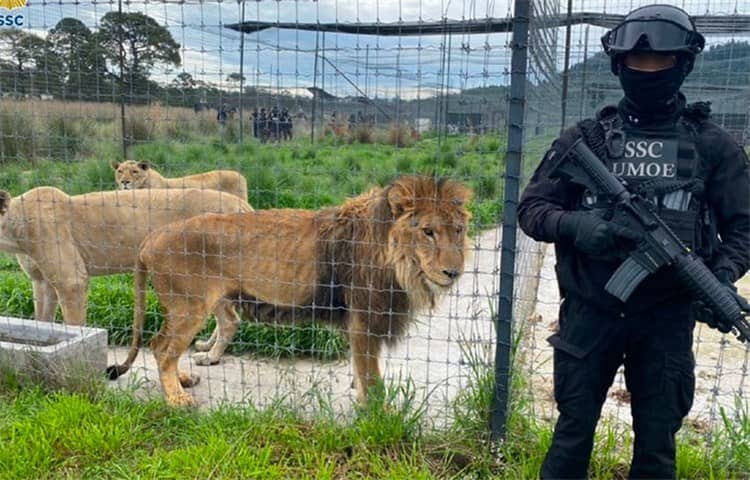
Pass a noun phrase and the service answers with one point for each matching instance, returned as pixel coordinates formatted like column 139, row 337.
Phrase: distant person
column 263, row 125
column 285, row 120
column 222, row 115
column 254, row 117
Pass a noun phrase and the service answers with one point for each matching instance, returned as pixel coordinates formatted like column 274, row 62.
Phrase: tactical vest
column 663, row 166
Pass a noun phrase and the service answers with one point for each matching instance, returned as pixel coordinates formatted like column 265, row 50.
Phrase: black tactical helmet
column 654, row 28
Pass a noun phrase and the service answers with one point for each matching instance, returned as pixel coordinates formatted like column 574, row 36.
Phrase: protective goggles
column 661, row 35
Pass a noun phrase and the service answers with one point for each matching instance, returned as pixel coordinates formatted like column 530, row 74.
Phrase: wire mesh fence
column 313, row 103
column 309, row 114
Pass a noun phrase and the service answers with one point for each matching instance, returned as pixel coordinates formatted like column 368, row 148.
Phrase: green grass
column 294, row 175
column 85, row 430
column 102, row 433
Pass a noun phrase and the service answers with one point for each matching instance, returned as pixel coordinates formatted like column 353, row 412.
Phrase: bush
column 362, row 134
column 400, row 135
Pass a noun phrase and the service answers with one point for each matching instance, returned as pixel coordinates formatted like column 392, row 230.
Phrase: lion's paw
column 188, row 380
column 181, row 399
column 204, row 359
column 203, row 345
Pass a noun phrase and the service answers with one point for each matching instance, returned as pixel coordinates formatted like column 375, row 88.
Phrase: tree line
column 75, row 63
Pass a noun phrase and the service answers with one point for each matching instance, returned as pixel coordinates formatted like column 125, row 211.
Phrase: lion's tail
column 139, row 314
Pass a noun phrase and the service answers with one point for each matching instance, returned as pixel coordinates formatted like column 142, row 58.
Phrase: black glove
column 593, row 235
column 726, row 277
column 702, row 313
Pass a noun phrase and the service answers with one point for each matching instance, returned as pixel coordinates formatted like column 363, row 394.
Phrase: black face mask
column 651, row 91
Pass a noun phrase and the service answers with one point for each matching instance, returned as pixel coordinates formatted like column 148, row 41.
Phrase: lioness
column 61, row 240
column 132, row 175
column 368, row 264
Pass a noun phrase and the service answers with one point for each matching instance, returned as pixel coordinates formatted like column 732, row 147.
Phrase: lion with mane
column 132, row 175
column 61, row 240
column 367, row 265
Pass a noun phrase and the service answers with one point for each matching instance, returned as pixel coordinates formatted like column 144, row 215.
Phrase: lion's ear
column 399, row 198
column 115, row 164
column 4, row 202
column 461, row 195
column 144, row 165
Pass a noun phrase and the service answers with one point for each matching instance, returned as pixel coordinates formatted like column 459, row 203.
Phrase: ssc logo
column 11, row 20
column 11, row 4
column 643, row 149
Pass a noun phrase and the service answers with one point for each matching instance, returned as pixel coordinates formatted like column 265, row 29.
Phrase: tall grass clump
column 16, row 135
column 16, row 298
column 334, row 134
column 731, row 447
column 38, row 373
column 206, row 124
column 230, row 132
column 400, row 135
column 177, row 129
column 519, row 454
column 362, row 134
column 65, row 137
column 138, row 129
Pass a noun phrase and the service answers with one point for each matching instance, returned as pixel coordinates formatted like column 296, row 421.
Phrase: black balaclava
column 652, row 91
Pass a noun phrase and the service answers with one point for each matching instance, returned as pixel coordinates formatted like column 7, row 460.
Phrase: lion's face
column 131, row 175
column 430, row 232
column 438, row 244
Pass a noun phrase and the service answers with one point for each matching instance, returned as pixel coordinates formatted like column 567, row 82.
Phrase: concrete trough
column 53, row 347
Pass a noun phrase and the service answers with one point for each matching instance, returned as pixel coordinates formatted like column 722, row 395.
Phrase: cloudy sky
column 381, row 66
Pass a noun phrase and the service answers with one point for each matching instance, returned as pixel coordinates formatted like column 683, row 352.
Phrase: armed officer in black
column 697, row 176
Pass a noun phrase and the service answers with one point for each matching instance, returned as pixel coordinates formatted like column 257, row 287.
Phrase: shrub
column 362, row 134
column 400, row 135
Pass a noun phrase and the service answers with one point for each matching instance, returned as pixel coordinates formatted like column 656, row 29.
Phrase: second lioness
column 132, row 175
column 62, row 240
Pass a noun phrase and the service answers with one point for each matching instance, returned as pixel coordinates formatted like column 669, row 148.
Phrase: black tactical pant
column 656, row 349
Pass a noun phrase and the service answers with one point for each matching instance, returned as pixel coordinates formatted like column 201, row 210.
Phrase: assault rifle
column 659, row 246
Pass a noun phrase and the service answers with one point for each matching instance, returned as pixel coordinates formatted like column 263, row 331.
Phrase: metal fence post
column 514, row 150
column 242, row 71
